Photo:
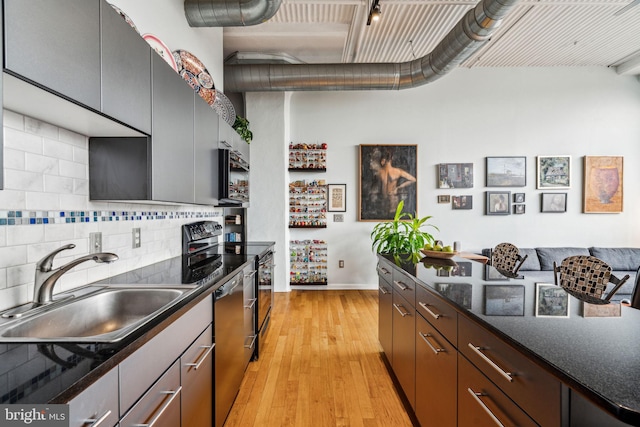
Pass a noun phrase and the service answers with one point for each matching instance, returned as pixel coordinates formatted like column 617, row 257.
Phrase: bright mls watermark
column 34, row 415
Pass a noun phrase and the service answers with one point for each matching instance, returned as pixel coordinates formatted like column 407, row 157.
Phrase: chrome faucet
column 46, row 277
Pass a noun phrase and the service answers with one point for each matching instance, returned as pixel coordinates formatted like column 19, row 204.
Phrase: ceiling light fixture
column 374, row 12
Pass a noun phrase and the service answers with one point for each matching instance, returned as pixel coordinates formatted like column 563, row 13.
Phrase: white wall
column 464, row 117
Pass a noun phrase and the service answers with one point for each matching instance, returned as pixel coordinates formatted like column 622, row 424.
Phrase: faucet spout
column 46, row 277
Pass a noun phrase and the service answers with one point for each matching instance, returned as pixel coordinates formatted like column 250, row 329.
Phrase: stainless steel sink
column 106, row 315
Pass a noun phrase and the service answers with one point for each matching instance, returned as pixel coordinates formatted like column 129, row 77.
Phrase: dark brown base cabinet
column 385, row 313
column 404, row 347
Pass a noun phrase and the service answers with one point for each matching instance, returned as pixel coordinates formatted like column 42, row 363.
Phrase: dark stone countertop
column 596, row 356
column 55, row 373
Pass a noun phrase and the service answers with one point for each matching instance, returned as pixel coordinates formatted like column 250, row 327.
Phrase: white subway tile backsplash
column 14, row 138
column 73, row 169
column 23, row 180
column 13, row 255
column 3, row 278
column 81, row 155
column 38, row 251
column 81, row 187
column 73, row 201
column 58, row 184
column 42, row 201
column 25, row 234
column 12, row 199
column 13, row 120
column 20, row 275
column 73, row 138
column 41, row 164
column 58, row 232
column 14, row 159
column 41, row 128
column 57, row 149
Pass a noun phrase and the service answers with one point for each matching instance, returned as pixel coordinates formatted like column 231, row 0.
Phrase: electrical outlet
column 341, row 263
column 135, row 236
column 95, row 242
column 338, row 218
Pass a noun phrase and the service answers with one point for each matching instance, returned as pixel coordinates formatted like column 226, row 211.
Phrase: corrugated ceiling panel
column 313, row 13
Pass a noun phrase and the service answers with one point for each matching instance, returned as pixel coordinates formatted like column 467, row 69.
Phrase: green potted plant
column 241, row 125
column 403, row 236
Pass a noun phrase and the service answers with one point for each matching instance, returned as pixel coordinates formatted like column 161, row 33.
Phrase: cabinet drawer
column 97, row 404
column 142, row 368
column 160, row 406
column 197, row 381
column 404, row 347
column 437, row 312
column 436, row 377
column 481, row 403
column 385, row 271
column 405, row 286
column 535, row 390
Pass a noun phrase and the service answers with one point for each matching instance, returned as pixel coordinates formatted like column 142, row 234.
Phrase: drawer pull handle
column 476, row 397
column 383, row 270
column 401, row 285
column 426, row 307
column 436, row 350
column 250, row 275
column 204, row 356
column 253, row 342
column 253, row 302
column 95, row 422
column 164, row 407
column 402, row 313
column 384, row 290
column 507, row 375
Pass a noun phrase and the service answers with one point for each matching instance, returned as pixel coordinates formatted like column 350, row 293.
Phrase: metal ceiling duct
column 468, row 35
column 229, row 13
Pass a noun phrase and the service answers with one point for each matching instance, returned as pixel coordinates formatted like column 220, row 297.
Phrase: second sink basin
column 107, row 315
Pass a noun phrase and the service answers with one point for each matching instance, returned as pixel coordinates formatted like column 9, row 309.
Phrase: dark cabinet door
column 56, row 44
column 197, row 381
column 126, row 72
column 436, row 377
column 404, row 346
column 385, row 317
column 206, row 153
column 172, row 135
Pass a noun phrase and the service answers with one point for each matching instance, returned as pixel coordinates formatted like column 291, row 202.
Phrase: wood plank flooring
column 320, row 365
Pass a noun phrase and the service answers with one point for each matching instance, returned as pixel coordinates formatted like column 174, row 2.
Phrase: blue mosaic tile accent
column 72, row 217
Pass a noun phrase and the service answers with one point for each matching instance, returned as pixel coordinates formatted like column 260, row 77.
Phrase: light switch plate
column 135, row 237
column 95, row 242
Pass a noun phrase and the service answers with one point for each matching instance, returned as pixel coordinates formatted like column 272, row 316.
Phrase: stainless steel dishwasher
column 230, row 341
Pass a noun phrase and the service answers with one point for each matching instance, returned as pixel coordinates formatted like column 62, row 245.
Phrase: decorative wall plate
column 126, row 18
column 224, row 108
column 161, row 49
column 196, row 74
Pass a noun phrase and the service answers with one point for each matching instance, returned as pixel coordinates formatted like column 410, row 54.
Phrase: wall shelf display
column 234, row 225
column 308, row 262
column 308, row 157
column 307, row 204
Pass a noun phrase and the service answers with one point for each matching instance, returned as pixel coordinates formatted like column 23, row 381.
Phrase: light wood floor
column 320, row 365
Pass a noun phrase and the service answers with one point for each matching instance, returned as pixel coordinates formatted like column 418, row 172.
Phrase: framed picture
column 603, row 178
column 518, row 209
column 491, row 274
column 463, row 269
column 387, row 176
column 553, row 202
column 462, row 202
column 337, row 197
column 455, row 175
column 506, row 172
column 518, row 198
column 551, row 301
column 554, row 172
column 504, row 300
column 444, row 199
column 498, row 203
column 459, row 293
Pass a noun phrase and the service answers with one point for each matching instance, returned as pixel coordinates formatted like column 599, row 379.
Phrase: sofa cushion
column 548, row 255
column 623, row 259
column 532, row 263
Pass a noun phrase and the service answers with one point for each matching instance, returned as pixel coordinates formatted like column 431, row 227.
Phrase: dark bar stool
column 586, row 278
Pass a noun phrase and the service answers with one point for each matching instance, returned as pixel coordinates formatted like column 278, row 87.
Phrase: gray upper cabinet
column 126, row 72
column 56, row 45
column 206, row 122
column 173, row 173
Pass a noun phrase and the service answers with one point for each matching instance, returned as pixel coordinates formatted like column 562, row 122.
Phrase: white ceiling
column 535, row 33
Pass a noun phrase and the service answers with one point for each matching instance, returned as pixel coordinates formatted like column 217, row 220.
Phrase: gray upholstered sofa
column 539, row 263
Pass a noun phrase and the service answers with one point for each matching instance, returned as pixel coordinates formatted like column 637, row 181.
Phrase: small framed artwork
column 553, row 202
column 459, row 293
column 444, row 199
column 455, row 175
column 498, row 203
column 504, row 300
column 518, row 209
column 491, row 274
column 337, row 197
column 554, row 172
column 518, row 198
column 506, row 171
column 603, row 178
column 462, row 202
column 551, row 301
column 463, row 269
